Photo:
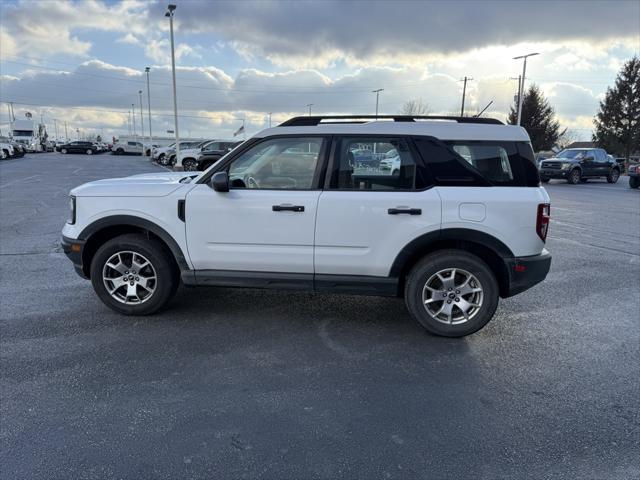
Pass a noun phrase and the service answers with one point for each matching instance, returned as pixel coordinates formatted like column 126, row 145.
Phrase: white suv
column 462, row 223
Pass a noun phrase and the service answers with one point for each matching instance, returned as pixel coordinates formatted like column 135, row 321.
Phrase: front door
column 266, row 222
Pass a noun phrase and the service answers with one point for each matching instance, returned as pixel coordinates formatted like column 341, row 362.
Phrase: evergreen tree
column 538, row 119
column 617, row 123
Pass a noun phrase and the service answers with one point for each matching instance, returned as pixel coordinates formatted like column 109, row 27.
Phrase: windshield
column 571, row 154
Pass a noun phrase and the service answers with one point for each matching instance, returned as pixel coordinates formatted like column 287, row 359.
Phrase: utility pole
column 377, row 92
column 133, row 117
column 309, row 105
column 66, row 134
column 464, row 94
column 149, row 104
column 129, row 122
column 269, row 118
column 55, row 128
column 521, row 89
column 170, row 10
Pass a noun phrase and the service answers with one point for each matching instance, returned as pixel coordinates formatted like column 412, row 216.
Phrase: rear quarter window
column 479, row 163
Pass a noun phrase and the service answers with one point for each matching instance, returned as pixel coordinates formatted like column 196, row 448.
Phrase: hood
column 558, row 159
column 144, row 185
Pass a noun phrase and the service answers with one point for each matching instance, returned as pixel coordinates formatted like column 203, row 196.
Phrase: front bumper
column 72, row 248
column 555, row 173
column 525, row 272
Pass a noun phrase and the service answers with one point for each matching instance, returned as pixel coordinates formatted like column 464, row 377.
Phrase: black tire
column 161, row 158
column 544, row 179
column 634, row 182
column 574, row 176
column 449, row 259
column 89, row 151
column 120, row 151
column 63, row 150
column 584, row 180
column 613, row 176
column 161, row 260
column 190, row 165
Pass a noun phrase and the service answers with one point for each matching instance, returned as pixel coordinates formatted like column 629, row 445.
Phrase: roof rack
column 312, row 121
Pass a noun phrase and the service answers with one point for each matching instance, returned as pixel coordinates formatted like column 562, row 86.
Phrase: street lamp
column 521, row 86
column 377, row 92
column 309, row 105
column 169, row 14
column 133, row 116
column 149, row 104
column 270, row 113
column 141, row 121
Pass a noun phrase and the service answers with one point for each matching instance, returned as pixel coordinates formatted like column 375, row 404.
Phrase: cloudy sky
column 83, row 61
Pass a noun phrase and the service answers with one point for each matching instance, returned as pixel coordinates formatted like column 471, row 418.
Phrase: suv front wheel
column 613, row 176
column 134, row 275
column 574, row 176
column 451, row 293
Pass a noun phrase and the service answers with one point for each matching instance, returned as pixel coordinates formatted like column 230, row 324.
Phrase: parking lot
column 231, row 383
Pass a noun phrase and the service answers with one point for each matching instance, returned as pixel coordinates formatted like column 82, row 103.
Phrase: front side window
column 373, row 164
column 279, row 163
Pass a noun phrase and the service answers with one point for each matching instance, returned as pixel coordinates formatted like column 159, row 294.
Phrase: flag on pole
column 239, row 131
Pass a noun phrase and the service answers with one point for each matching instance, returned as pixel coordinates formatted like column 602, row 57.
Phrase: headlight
column 566, row 166
column 72, row 210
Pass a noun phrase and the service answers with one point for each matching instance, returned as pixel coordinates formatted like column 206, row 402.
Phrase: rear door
column 367, row 214
column 266, row 222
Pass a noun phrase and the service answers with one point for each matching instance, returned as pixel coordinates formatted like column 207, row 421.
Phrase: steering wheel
column 252, row 182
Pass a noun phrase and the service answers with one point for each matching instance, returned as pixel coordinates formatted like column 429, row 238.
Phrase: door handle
column 404, row 211
column 288, row 208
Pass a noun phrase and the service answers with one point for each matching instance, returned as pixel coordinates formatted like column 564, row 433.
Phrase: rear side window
column 479, row 163
column 375, row 163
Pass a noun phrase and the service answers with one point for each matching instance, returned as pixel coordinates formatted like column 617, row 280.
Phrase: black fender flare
column 424, row 242
column 138, row 222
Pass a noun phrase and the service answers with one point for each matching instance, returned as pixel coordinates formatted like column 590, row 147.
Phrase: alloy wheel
column 452, row 296
column 129, row 277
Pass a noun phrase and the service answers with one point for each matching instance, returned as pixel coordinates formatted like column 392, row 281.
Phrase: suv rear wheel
column 613, row 176
column 451, row 293
column 574, row 176
column 89, row 151
column 134, row 275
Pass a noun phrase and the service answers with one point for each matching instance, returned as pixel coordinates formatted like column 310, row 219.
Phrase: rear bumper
column 525, row 272
column 72, row 248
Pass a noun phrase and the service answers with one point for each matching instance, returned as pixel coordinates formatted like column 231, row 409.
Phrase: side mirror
column 220, row 182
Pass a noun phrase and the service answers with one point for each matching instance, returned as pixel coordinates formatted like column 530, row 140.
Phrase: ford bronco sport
column 461, row 223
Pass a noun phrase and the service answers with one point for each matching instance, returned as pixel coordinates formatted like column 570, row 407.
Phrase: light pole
column 55, row 127
column 66, row 134
column 149, row 104
column 170, row 10
column 141, row 122
column 521, row 89
column 133, row 116
column 377, row 92
column 309, row 105
column 269, row 118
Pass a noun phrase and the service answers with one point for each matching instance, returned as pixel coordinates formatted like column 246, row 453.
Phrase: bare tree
column 567, row 137
column 415, row 107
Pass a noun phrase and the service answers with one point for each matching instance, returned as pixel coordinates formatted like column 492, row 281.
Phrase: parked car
column 18, row 149
column 6, row 150
column 190, row 154
column 579, row 165
column 205, row 156
column 78, row 147
column 391, row 162
column 127, row 148
column 287, row 210
column 634, row 175
column 166, row 155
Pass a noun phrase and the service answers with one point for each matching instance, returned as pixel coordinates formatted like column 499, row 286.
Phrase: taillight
column 542, row 222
